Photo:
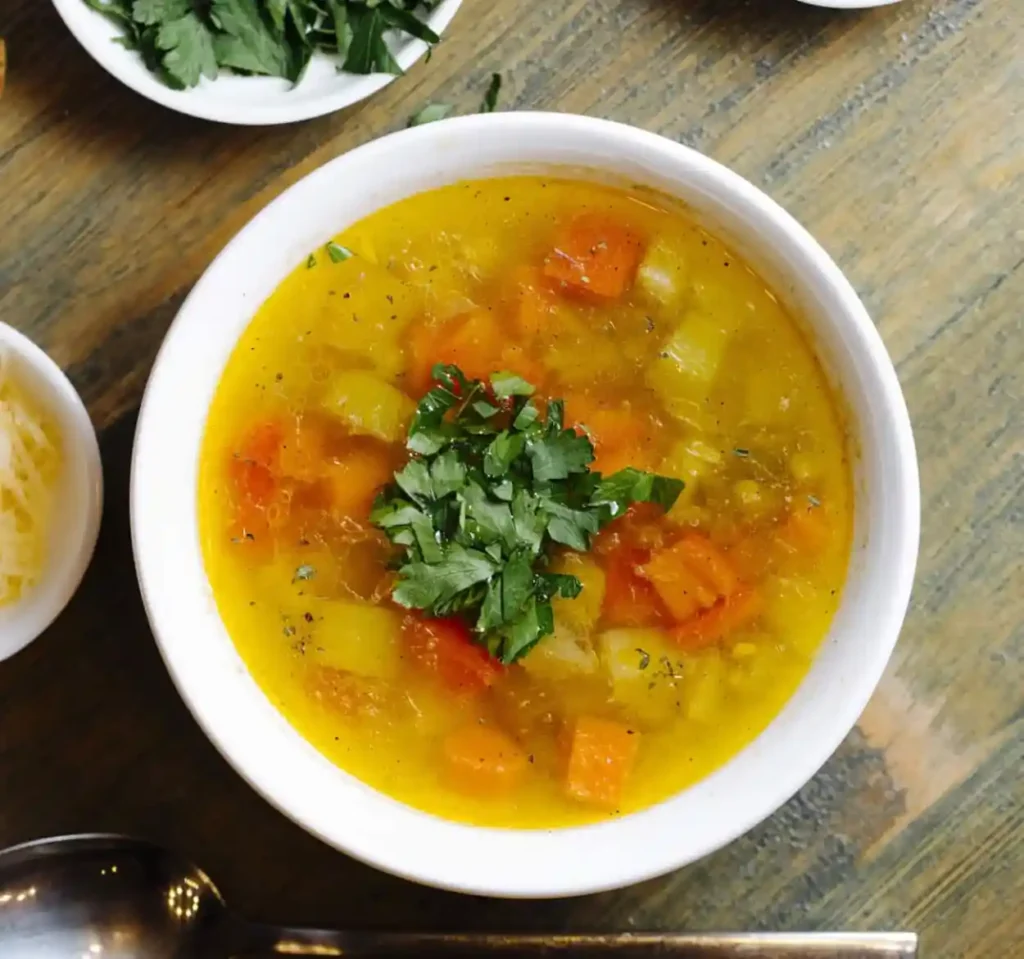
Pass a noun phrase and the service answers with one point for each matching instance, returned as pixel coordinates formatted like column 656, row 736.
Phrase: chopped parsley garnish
column 495, row 484
column 182, row 41
column 304, row 572
column 490, row 101
column 433, row 112
column 338, row 253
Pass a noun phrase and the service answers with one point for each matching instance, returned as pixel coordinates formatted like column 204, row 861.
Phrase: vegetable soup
column 525, row 501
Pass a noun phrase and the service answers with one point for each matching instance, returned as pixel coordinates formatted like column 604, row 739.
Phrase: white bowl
column 338, row 808
column 79, row 495
column 247, row 101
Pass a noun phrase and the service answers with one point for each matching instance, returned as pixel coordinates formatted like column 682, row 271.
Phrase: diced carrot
column 445, row 647
column 422, row 349
column 303, row 450
column 355, row 480
column 535, row 304
column 473, row 342
column 702, row 556
column 641, row 527
column 600, row 761
column 691, row 575
column 619, row 435
column 482, row 760
column 806, row 531
column 516, row 360
column 629, row 599
column 726, row 616
column 596, row 255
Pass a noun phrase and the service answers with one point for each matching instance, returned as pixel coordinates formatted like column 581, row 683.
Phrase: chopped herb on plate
column 182, row 41
column 493, row 488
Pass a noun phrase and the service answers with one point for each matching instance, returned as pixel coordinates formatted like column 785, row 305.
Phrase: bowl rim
column 582, row 859
column 275, row 108
column 71, row 548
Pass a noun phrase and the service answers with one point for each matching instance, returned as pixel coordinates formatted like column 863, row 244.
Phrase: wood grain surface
column 896, row 135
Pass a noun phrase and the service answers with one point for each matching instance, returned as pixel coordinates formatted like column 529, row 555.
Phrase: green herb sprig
column 495, row 484
column 183, row 41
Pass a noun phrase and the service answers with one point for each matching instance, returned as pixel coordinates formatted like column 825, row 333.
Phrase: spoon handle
column 390, row 945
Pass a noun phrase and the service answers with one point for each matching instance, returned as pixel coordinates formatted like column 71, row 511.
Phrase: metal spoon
column 112, row 897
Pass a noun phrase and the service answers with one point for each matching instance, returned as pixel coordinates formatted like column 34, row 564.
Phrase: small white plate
column 78, row 503
column 247, row 101
column 849, row 4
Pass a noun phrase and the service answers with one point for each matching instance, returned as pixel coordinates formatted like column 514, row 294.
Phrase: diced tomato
column 482, row 760
column 446, row 647
column 596, row 255
column 263, row 444
column 726, row 616
column 600, row 761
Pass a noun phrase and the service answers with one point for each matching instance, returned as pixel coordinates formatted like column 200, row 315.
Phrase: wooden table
column 896, row 136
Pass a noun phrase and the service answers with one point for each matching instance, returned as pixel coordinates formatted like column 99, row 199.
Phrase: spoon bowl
column 103, row 896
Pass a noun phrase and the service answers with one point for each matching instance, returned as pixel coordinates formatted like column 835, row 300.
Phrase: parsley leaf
column 559, row 454
column 422, row 585
column 629, row 486
column 188, row 50
column 492, row 487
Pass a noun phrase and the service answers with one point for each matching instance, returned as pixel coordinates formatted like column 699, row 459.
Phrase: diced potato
column 692, row 461
column 580, row 614
column 663, row 273
column 645, row 672
column 562, row 654
column 358, row 638
column 578, row 364
column 766, row 401
column 353, row 321
column 368, row 405
column 705, row 686
column 691, row 355
column 805, row 466
column 748, row 492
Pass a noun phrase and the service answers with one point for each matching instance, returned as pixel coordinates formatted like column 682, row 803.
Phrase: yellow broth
column 696, row 371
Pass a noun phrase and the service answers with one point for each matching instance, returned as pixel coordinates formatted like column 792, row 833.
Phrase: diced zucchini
column 563, row 654
column 357, row 638
column 662, row 274
column 645, row 672
column 368, row 405
column 581, row 613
